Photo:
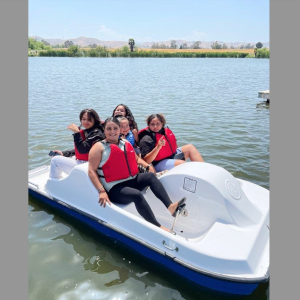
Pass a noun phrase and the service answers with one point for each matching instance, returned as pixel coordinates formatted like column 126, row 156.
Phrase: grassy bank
column 75, row 51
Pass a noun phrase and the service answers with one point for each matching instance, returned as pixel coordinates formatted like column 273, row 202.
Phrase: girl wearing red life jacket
column 158, row 145
column 83, row 141
column 114, row 173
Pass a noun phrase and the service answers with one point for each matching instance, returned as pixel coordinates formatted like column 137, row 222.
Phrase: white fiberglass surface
column 203, row 209
column 37, row 178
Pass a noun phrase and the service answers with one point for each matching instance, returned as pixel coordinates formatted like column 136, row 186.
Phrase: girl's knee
column 179, row 162
column 191, row 146
column 151, row 175
column 148, row 176
column 137, row 196
column 187, row 149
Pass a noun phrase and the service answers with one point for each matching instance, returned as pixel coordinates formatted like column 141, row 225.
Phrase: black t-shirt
column 146, row 145
column 91, row 136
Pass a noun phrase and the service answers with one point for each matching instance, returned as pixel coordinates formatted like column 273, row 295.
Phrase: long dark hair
column 111, row 119
column 129, row 116
column 160, row 117
column 92, row 114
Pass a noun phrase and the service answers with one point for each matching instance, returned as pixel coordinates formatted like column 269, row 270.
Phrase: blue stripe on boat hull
column 213, row 283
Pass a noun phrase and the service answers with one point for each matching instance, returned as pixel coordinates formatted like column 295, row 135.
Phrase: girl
column 124, row 111
column 83, row 141
column 113, row 171
column 158, row 145
column 127, row 134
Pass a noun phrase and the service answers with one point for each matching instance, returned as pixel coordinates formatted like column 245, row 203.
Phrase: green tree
column 216, row 45
column 93, row 45
column 72, row 50
column 259, row 45
column 131, row 43
column 173, row 44
column 249, row 46
column 45, row 43
column 184, row 46
column 255, row 51
column 225, row 46
column 263, row 53
column 196, row 45
column 33, row 44
column 68, row 44
column 155, row 46
column 125, row 49
column 59, row 46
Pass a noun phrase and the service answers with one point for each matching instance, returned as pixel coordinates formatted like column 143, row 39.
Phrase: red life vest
column 120, row 164
column 81, row 156
column 170, row 147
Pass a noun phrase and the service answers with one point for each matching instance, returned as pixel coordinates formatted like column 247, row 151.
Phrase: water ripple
column 211, row 103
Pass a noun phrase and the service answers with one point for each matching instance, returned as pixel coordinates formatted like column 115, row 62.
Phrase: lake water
column 211, row 103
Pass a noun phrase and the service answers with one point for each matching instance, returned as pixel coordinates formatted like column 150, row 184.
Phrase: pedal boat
column 219, row 241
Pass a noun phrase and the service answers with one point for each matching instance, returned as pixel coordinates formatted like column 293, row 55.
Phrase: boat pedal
column 184, row 212
column 179, row 211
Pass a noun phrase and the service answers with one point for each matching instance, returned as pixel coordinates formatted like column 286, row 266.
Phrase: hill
column 86, row 41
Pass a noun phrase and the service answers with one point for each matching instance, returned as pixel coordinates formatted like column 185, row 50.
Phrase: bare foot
column 164, row 228
column 173, row 207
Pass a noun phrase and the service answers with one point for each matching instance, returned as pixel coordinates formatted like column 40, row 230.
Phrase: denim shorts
column 167, row 164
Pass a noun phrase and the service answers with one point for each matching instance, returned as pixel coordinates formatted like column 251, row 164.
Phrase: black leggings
column 129, row 191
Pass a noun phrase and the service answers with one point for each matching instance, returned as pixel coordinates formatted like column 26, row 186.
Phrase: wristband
column 100, row 189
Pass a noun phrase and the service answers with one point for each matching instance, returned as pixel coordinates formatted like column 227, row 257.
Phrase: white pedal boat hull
column 223, row 243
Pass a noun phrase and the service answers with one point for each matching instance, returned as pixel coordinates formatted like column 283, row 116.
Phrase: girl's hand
column 135, row 134
column 152, row 170
column 58, row 151
column 103, row 198
column 161, row 142
column 73, row 127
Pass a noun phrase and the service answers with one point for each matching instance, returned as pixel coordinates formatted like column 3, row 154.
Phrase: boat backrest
column 213, row 195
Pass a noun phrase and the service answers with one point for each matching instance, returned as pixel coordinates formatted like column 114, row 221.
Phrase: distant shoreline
column 159, row 53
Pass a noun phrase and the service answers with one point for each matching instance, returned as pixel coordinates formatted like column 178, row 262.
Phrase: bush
column 263, row 53
column 73, row 50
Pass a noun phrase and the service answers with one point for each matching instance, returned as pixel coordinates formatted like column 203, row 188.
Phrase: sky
column 151, row 21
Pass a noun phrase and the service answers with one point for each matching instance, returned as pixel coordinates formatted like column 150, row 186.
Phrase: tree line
column 44, row 45
column 173, row 45
column 131, row 51
column 197, row 45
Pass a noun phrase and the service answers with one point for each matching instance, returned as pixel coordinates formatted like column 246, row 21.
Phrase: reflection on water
column 96, row 266
column 263, row 104
column 211, row 103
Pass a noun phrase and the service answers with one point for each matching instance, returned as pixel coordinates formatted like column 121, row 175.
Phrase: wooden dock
column 265, row 95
